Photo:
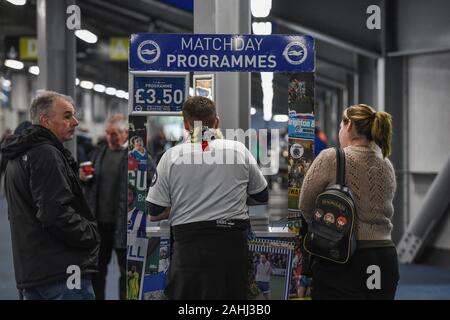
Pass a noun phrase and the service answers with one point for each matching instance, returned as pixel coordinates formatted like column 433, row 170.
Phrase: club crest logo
column 295, row 52
column 154, row 179
column 297, row 151
column 148, row 51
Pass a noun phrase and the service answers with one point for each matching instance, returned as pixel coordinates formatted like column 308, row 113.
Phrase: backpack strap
column 340, row 166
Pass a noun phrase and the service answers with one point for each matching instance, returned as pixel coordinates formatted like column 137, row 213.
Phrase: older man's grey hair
column 120, row 119
column 42, row 104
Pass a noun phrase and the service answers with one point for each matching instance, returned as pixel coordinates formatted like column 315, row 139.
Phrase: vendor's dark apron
column 209, row 261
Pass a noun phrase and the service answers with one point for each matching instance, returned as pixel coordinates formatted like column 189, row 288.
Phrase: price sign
column 158, row 93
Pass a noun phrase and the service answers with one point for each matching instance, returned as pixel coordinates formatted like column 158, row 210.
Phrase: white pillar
column 232, row 95
column 381, row 77
column 56, row 52
column 19, row 92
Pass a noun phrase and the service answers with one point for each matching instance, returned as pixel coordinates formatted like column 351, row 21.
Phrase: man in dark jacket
column 54, row 234
column 106, row 193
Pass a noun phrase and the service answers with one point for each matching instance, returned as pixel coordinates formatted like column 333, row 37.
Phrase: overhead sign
column 157, row 93
column 222, row 52
column 28, row 48
column 118, row 48
column 21, row 48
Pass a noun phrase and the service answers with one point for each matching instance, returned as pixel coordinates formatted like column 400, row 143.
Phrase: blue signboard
column 156, row 92
column 221, row 53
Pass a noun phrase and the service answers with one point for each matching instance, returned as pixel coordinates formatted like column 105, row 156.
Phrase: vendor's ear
column 216, row 122
column 187, row 125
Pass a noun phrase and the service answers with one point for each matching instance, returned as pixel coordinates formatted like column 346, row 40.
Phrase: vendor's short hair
column 199, row 108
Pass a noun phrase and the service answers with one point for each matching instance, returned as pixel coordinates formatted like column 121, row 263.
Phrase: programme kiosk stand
column 159, row 76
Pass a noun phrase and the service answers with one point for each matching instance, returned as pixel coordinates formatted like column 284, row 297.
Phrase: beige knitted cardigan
column 371, row 179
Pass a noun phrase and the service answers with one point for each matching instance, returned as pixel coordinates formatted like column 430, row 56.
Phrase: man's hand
column 82, row 175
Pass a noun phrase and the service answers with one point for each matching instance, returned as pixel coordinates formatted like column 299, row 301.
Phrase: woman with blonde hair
column 372, row 272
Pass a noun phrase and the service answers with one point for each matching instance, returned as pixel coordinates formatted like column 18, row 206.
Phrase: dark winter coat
column 92, row 193
column 52, row 226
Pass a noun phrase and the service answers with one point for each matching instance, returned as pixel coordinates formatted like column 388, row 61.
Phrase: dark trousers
column 208, row 262
column 58, row 290
column 106, row 231
column 356, row 279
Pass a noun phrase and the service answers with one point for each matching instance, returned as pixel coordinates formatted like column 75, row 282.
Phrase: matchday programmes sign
column 221, row 53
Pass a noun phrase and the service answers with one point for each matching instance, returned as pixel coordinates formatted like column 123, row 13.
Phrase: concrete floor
column 8, row 289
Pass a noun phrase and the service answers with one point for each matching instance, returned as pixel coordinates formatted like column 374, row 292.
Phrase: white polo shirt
column 206, row 185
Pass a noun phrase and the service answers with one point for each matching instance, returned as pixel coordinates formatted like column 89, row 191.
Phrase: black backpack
column 331, row 232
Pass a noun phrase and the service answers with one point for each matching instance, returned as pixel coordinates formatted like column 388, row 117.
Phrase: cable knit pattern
column 371, row 180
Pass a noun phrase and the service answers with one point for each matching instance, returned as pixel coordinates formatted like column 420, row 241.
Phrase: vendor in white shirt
column 206, row 205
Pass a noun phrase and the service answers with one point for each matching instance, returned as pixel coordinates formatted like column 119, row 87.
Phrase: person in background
column 159, row 145
column 365, row 136
column 139, row 159
column 320, row 140
column 263, row 275
column 84, row 145
column 133, row 284
column 53, row 231
column 106, row 192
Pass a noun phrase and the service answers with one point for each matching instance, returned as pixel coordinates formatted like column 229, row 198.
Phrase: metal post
column 232, row 88
column 435, row 204
column 56, row 56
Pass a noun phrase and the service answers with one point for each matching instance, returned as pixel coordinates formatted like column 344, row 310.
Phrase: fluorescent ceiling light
column 120, row 94
column 77, row 81
column 87, row 84
column 99, row 88
column 111, row 91
column 5, row 82
column 127, row 96
column 17, row 2
column 34, row 70
column 14, row 64
column 86, row 36
column 267, row 88
column 261, row 8
column 280, row 118
column 252, row 111
column 262, row 27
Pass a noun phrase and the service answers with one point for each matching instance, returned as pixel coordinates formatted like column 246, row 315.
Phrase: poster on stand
column 301, row 154
column 271, row 258
column 156, row 267
column 136, row 257
column 204, row 85
column 137, row 241
column 301, row 134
